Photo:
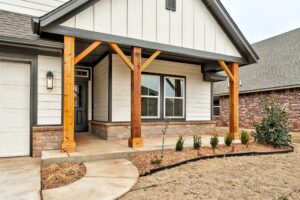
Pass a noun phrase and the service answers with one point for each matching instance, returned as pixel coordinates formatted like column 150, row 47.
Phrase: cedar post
column 234, row 102
column 136, row 140
column 69, row 55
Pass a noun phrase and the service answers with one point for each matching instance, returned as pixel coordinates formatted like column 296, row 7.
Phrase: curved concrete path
column 104, row 180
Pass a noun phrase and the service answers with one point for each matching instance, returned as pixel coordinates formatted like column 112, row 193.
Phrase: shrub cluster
column 274, row 127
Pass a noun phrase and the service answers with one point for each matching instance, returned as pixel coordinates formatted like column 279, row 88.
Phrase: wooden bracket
column 87, row 51
column 226, row 69
column 117, row 49
column 148, row 62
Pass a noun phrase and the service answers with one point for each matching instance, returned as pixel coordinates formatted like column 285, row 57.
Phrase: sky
column 261, row 19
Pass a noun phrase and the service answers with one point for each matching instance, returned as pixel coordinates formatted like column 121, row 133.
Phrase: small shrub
column 274, row 127
column 156, row 161
column 197, row 142
column 228, row 140
column 283, row 198
column 179, row 144
column 245, row 136
column 214, row 141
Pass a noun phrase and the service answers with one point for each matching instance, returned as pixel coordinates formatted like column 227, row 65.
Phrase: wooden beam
column 148, row 62
column 69, row 54
column 117, row 49
column 226, row 69
column 87, row 51
column 136, row 140
column 234, row 102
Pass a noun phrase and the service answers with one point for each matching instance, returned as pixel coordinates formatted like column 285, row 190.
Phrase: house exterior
column 117, row 68
column 275, row 75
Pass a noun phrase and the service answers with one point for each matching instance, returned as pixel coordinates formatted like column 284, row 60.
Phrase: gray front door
column 80, row 104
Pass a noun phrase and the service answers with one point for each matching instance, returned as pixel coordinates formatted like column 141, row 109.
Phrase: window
column 174, row 97
column 150, row 96
column 171, row 5
column 216, row 108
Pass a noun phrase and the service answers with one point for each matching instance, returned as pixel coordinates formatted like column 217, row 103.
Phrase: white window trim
column 183, row 98
column 154, row 97
column 219, row 106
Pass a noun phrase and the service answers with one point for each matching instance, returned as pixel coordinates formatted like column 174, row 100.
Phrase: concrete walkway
column 91, row 148
column 105, row 180
column 20, row 179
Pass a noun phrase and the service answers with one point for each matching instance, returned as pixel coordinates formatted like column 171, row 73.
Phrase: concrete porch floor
column 91, row 148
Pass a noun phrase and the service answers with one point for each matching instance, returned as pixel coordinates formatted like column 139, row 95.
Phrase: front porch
column 91, row 148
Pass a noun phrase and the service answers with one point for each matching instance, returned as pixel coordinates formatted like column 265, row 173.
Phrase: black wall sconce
column 49, row 81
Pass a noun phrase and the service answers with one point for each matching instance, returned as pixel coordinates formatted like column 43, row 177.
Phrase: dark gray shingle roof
column 15, row 27
column 278, row 67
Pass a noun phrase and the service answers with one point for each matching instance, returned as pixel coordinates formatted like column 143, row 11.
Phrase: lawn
column 261, row 177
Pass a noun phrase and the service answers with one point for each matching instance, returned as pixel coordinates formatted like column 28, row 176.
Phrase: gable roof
column 278, row 67
column 74, row 7
column 16, row 28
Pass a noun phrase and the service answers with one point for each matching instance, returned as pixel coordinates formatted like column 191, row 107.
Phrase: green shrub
column 156, row 161
column 245, row 136
column 214, row 141
column 179, row 144
column 197, row 142
column 274, row 127
column 227, row 140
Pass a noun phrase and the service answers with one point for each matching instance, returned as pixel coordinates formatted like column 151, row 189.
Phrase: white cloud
column 261, row 19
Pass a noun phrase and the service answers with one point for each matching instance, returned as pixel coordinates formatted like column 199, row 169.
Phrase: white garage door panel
column 14, row 109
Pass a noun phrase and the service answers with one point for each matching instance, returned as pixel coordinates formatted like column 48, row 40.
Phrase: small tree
column 227, row 140
column 274, row 127
column 214, row 141
column 197, row 142
column 179, row 144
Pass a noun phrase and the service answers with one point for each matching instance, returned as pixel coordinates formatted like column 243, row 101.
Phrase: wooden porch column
column 234, row 101
column 69, row 55
column 136, row 139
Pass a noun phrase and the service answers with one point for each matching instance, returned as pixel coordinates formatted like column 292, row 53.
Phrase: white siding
column 198, row 92
column 191, row 26
column 32, row 7
column 49, row 101
column 101, row 90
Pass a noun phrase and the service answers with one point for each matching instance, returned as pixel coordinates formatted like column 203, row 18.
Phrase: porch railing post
column 136, row 139
column 69, row 59
column 234, row 101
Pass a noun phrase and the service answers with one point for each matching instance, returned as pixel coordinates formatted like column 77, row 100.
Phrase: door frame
column 85, row 81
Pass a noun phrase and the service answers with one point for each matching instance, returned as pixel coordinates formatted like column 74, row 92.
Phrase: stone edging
column 253, row 153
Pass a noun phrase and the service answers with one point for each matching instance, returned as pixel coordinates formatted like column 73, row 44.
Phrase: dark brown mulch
column 143, row 160
column 58, row 175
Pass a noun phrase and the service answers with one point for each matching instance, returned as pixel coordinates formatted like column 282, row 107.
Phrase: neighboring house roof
column 16, row 29
column 73, row 7
column 278, row 67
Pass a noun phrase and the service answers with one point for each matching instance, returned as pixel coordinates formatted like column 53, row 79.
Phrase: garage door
column 14, row 109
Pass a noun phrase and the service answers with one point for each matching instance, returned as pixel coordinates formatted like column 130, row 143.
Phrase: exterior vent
column 171, row 5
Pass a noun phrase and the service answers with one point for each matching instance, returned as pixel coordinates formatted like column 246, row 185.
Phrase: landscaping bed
column 173, row 158
column 57, row 175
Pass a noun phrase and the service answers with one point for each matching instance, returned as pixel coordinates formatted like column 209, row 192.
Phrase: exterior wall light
column 49, row 81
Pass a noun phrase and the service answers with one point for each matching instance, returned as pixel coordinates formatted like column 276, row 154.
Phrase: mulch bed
column 171, row 157
column 58, row 175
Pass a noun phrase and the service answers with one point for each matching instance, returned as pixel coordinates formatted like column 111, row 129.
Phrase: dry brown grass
column 240, row 178
column 57, row 175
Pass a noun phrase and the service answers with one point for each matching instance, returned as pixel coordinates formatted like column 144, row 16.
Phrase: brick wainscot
column 113, row 131
column 46, row 138
column 251, row 109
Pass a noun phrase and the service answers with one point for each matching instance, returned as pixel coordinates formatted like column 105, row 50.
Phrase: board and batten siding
column 198, row 92
column 31, row 7
column 100, row 90
column 191, row 26
column 49, row 101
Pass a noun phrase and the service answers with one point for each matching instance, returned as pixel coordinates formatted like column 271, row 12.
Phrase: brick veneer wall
column 112, row 131
column 46, row 138
column 250, row 109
